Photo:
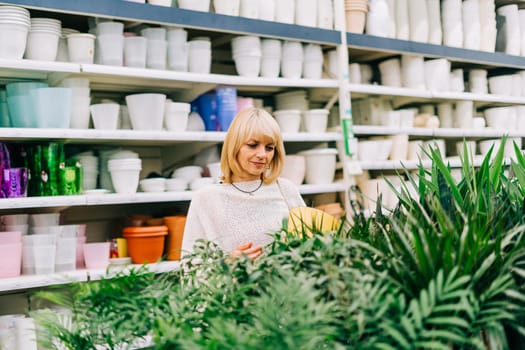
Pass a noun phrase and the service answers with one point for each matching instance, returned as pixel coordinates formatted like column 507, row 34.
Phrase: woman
column 240, row 213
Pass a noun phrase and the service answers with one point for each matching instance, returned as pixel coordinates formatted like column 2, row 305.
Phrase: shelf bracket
column 191, row 94
column 181, row 153
column 54, row 78
column 400, row 101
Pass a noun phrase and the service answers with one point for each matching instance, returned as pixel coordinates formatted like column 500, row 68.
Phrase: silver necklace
column 248, row 192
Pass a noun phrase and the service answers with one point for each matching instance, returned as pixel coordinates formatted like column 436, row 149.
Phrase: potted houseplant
column 442, row 271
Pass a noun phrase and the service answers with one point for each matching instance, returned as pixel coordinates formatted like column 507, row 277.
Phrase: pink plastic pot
column 10, row 237
column 81, row 240
column 96, row 255
column 10, row 260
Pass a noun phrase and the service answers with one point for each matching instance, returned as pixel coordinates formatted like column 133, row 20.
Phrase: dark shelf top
column 139, row 12
column 362, row 45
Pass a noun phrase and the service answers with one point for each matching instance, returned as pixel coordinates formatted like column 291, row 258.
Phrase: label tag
column 354, row 167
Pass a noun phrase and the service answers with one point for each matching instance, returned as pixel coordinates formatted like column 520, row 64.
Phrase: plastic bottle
column 195, row 122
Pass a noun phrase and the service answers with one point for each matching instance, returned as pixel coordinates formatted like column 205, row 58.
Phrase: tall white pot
column 418, row 16
column 285, row 11
column 195, row 5
column 266, row 9
column 227, row 7
column 306, row 13
column 249, row 9
column 325, row 14
column 392, row 18
column 435, row 33
column 402, row 22
column 378, row 19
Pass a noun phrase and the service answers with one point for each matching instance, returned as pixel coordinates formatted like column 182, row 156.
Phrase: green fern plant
column 445, row 302
column 473, row 227
column 444, row 270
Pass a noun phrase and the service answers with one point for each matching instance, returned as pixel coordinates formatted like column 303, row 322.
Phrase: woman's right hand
column 248, row 249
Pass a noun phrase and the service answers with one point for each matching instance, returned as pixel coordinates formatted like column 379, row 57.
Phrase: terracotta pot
column 175, row 226
column 355, row 21
column 334, row 209
column 145, row 244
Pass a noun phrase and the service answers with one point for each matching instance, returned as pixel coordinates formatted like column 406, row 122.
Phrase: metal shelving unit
column 122, row 80
column 357, row 47
column 367, row 48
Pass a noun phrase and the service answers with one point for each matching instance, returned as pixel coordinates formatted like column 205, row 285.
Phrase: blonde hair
column 249, row 123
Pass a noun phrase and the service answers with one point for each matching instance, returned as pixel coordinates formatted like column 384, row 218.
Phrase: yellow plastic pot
column 307, row 220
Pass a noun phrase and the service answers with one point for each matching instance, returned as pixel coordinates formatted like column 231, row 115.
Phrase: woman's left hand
column 248, row 249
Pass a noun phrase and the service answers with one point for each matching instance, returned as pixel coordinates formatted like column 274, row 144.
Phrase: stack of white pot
column 42, row 40
column 271, row 58
column 247, row 53
column 14, row 26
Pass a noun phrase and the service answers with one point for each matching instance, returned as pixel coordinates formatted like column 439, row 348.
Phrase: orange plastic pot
column 175, row 226
column 145, row 244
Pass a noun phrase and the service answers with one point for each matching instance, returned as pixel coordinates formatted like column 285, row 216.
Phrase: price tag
column 354, row 167
column 352, row 147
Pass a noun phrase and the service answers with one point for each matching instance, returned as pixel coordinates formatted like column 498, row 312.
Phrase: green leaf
column 408, row 327
column 519, row 172
column 518, row 155
column 444, row 335
column 439, row 282
column 519, row 272
column 397, row 336
column 497, row 286
column 445, row 172
column 385, row 346
column 426, row 308
column 432, row 293
column 516, row 295
column 416, row 314
column 521, row 330
column 497, row 164
column 453, row 285
column 431, row 345
column 485, row 266
column 488, row 316
column 448, row 308
column 450, row 321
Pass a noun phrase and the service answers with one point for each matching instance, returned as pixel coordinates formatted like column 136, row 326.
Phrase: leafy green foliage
column 443, row 270
column 109, row 311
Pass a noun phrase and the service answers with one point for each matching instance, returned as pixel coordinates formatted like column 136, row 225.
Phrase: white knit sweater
column 229, row 217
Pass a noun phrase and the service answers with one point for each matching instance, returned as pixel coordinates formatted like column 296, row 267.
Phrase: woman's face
column 254, row 157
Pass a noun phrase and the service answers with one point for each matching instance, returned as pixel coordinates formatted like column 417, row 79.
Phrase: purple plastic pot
column 14, row 182
column 4, row 162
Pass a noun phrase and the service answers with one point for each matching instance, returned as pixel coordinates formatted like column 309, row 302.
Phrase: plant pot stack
column 355, row 11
